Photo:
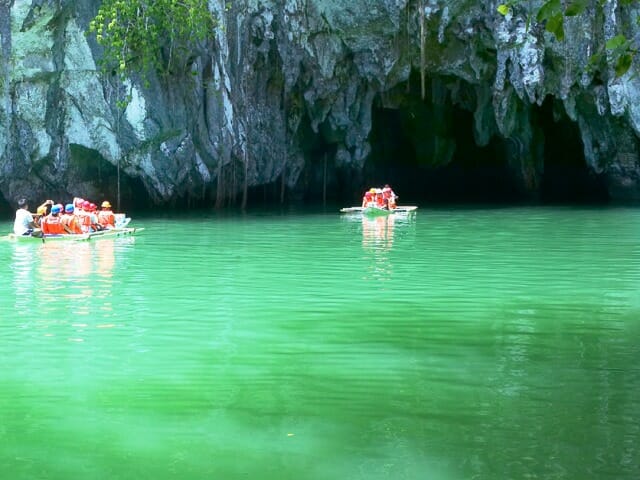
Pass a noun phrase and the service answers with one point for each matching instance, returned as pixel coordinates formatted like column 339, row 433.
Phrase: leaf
column 576, row 7
column 555, row 25
column 616, row 42
column 503, row 9
column 623, row 64
column 548, row 10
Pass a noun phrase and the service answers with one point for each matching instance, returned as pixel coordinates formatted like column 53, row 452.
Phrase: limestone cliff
column 285, row 97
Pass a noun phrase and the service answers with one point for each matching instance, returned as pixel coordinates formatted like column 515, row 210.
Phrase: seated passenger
column 106, row 218
column 52, row 223
column 366, row 200
column 70, row 220
column 24, row 223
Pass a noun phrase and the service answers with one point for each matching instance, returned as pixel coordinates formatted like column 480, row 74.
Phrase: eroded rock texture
column 286, row 95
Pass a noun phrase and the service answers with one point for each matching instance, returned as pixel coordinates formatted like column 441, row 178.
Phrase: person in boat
column 379, row 199
column 24, row 223
column 52, row 223
column 389, row 197
column 93, row 216
column 70, row 220
column 84, row 215
column 106, row 217
column 44, row 209
column 367, row 199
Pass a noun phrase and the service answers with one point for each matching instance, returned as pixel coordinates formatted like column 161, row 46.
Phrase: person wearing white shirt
column 24, row 224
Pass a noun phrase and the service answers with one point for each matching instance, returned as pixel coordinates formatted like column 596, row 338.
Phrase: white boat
column 78, row 237
column 373, row 211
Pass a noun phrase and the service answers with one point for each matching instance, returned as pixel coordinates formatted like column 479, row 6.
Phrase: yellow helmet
column 106, row 204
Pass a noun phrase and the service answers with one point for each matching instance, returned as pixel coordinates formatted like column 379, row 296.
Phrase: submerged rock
column 288, row 90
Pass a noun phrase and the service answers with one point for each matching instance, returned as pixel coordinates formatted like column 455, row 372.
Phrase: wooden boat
column 80, row 237
column 377, row 211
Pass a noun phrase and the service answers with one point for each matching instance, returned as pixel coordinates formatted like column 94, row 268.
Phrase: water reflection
column 377, row 232
column 72, row 276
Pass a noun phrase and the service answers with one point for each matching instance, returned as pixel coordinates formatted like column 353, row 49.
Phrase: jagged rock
column 283, row 72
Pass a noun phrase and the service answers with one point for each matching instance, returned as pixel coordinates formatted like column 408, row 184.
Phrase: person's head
column 69, row 208
column 106, row 204
column 78, row 202
column 55, row 210
column 93, row 207
column 22, row 203
column 86, row 205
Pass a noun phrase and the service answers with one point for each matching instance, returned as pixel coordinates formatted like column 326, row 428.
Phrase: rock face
column 285, row 97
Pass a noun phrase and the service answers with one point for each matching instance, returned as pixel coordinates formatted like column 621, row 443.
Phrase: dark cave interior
column 407, row 142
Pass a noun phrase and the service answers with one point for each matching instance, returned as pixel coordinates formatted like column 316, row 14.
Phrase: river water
column 484, row 343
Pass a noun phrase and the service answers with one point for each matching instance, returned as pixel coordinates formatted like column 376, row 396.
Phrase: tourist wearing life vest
column 367, row 199
column 83, row 215
column 52, row 223
column 106, row 217
column 70, row 220
column 389, row 197
column 93, row 215
column 44, row 209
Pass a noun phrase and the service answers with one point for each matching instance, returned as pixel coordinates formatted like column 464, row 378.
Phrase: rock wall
column 284, row 75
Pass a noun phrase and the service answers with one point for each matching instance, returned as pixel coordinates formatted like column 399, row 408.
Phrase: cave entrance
column 6, row 209
column 426, row 150
column 97, row 179
column 566, row 177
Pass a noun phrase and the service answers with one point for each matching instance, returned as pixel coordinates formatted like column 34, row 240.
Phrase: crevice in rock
column 97, row 179
column 426, row 149
column 566, row 177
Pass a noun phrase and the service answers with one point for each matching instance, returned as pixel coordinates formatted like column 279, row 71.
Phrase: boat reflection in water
column 379, row 235
column 65, row 281
column 377, row 232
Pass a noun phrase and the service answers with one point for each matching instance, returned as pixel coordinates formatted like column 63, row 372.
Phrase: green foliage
column 150, row 35
column 504, row 9
column 553, row 12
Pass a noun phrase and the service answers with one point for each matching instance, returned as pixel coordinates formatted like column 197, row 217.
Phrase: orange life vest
column 106, row 218
column 84, row 219
column 71, row 221
column 52, row 225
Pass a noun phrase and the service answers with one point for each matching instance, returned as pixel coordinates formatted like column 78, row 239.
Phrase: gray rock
column 242, row 113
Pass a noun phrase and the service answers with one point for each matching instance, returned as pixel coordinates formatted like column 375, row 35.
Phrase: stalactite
column 245, row 187
column 422, row 52
column 285, row 144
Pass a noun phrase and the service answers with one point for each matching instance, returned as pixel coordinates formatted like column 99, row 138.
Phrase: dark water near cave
column 456, row 344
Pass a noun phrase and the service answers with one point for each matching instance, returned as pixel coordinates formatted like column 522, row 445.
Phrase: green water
column 456, row 344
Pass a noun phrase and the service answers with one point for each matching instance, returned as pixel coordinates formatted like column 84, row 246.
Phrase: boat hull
column 377, row 212
column 80, row 237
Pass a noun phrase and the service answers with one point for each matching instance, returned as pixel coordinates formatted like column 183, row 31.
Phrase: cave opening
column 427, row 152
column 5, row 208
column 566, row 177
column 97, row 179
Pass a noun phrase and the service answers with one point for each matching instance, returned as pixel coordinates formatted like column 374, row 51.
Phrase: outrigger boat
column 78, row 237
column 374, row 211
column 121, row 230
